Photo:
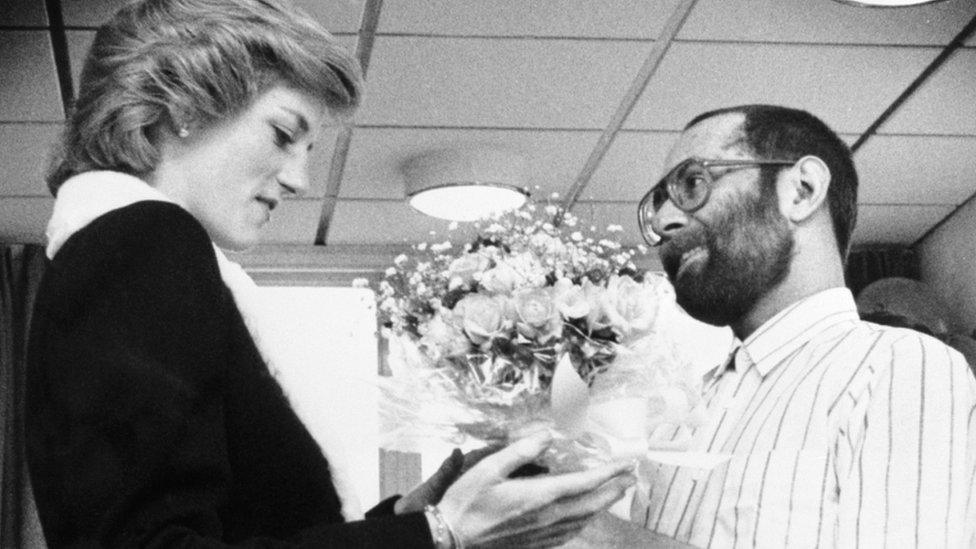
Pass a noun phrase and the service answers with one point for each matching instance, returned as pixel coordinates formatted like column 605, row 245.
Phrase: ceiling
column 563, row 82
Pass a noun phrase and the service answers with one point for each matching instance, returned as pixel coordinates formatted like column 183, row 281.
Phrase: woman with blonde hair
column 154, row 417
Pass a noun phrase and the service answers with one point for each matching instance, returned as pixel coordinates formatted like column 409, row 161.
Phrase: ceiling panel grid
column 544, row 78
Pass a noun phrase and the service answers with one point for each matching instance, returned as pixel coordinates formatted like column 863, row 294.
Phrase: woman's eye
column 282, row 137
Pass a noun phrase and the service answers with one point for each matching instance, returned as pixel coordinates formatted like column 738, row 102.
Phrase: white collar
column 788, row 330
column 796, row 324
column 85, row 197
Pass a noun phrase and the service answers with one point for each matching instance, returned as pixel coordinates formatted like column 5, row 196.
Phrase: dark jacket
column 151, row 418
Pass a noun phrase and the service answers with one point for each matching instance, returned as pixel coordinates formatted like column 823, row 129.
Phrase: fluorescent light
column 467, row 201
column 467, row 183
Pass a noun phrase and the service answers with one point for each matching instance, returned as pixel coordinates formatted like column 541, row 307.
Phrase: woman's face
column 233, row 174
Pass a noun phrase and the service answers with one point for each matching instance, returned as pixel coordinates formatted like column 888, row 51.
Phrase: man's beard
column 749, row 247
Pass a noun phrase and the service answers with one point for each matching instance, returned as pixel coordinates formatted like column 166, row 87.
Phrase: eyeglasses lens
column 689, row 185
column 647, row 208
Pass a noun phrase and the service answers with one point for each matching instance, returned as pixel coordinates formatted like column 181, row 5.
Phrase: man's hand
column 432, row 490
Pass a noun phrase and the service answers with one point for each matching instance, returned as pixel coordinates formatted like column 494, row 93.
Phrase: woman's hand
column 487, row 509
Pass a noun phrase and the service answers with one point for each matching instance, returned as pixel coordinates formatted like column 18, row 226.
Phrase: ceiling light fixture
column 465, row 184
column 887, row 3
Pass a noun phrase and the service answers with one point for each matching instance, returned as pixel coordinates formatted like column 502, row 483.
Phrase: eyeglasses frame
column 651, row 238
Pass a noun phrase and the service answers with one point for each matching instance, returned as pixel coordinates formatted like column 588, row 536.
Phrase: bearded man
column 842, row 433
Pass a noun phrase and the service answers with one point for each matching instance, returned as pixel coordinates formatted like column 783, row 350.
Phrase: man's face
column 725, row 256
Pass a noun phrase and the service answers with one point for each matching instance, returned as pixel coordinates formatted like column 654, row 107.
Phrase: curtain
column 20, row 272
column 865, row 265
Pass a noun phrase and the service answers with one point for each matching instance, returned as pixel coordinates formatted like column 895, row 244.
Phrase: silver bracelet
column 444, row 536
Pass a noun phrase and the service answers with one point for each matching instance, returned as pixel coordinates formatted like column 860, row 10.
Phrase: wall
column 948, row 264
column 327, row 345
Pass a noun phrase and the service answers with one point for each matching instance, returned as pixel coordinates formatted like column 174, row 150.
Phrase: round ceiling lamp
column 887, row 3
column 465, row 184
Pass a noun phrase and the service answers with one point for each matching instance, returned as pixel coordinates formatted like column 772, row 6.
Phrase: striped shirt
column 842, row 433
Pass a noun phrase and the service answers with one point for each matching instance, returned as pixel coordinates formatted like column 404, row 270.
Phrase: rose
column 529, row 268
column 443, row 336
column 500, row 279
column 596, row 318
column 630, row 307
column 548, row 245
column 466, row 269
column 570, row 299
column 538, row 318
column 482, row 318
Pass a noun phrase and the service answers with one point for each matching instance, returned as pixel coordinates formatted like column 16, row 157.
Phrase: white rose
column 596, row 318
column 529, row 268
column 467, row 267
column 500, row 279
column 445, row 336
column 483, row 318
column 631, row 308
column 538, row 318
column 570, row 299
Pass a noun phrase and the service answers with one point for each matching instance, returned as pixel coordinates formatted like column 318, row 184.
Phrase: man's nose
column 668, row 220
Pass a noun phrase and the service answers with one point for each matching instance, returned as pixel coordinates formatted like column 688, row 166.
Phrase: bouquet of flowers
column 475, row 334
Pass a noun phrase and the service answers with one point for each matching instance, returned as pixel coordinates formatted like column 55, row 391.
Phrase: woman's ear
column 803, row 189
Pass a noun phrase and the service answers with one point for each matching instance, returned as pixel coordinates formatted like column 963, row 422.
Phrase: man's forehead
column 709, row 138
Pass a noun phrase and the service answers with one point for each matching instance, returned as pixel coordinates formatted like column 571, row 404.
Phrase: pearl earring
column 183, row 132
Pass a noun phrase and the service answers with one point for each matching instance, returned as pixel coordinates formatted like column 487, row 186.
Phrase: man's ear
column 803, row 189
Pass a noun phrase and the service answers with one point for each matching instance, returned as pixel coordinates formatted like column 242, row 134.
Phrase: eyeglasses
column 688, row 185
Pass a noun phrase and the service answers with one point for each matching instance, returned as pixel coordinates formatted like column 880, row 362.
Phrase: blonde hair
column 169, row 63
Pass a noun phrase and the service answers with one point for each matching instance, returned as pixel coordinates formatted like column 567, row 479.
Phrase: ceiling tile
column 925, row 170
column 824, row 21
column 945, row 103
column 895, row 224
column 23, row 13
column 553, row 158
column 88, row 13
column 321, row 159
column 22, row 220
column 631, row 166
column 514, row 83
column 30, row 84
column 24, row 149
column 293, row 222
column 597, row 216
column 828, row 81
column 335, row 15
column 390, row 222
column 553, row 18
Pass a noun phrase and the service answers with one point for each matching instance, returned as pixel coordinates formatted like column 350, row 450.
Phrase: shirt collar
column 797, row 324
column 714, row 374
column 787, row 331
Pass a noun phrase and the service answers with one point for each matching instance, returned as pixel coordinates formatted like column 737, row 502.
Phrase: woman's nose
column 294, row 175
column 668, row 220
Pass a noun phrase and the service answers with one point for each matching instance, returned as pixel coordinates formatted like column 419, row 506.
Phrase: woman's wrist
column 444, row 535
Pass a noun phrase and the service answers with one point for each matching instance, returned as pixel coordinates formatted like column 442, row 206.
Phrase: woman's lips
column 269, row 205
